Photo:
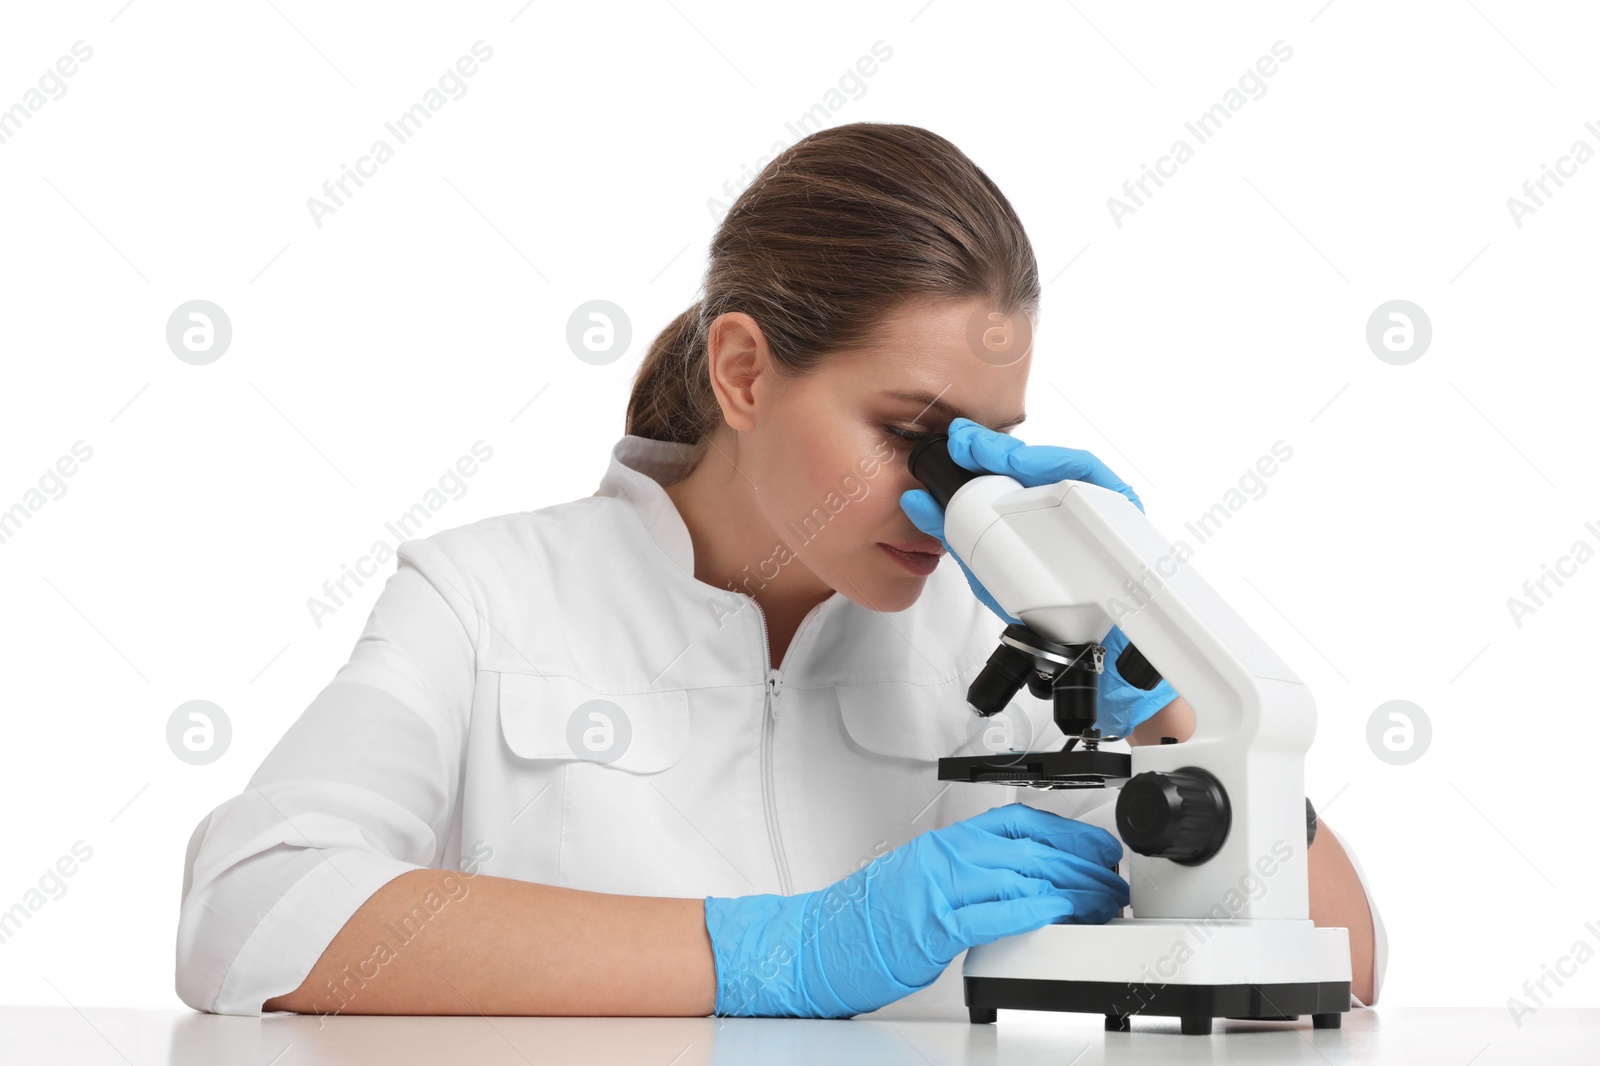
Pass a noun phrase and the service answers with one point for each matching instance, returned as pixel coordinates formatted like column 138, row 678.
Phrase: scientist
column 580, row 762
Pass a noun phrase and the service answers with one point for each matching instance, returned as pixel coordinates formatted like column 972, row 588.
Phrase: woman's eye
column 905, row 434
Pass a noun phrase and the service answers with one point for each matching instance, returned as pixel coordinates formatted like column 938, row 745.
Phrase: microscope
column 1218, row 826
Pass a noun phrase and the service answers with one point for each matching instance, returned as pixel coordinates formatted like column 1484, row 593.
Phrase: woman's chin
column 891, row 594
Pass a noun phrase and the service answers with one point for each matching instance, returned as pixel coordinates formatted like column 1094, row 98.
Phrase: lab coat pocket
column 551, row 716
column 627, row 824
column 907, row 721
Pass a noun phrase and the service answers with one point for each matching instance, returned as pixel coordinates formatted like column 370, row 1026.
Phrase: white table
column 40, row 1036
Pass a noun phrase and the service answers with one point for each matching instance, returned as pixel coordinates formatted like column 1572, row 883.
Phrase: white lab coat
column 454, row 738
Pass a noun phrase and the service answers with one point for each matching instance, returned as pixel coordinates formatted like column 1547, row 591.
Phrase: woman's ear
column 737, row 356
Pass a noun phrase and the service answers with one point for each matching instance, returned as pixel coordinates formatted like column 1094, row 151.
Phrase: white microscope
column 1218, row 825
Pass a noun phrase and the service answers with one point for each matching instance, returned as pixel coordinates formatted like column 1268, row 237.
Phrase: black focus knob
column 1181, row 815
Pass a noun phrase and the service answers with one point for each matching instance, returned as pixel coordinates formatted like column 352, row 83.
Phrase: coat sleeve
column 1098, row 807
column 360, row 789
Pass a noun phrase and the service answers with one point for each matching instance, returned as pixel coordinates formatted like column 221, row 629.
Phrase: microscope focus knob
column 1181, row 815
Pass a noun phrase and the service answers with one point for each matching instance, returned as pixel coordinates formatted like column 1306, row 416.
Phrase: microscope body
column 1223, row 928
column 1073, row 559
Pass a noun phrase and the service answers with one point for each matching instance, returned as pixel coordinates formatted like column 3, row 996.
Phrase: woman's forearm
column 1337, row 898
column 436, row 942
column 1176, row 719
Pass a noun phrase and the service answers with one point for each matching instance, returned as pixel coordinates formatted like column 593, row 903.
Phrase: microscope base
column 1265, row 970
column 1196, row 1005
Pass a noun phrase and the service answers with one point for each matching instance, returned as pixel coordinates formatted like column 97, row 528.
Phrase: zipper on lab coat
column 768, row 786
column 769, row 719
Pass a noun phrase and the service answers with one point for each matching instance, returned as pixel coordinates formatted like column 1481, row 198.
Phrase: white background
column 371, row 352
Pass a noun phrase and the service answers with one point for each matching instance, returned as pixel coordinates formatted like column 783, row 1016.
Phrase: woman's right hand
column 893, row 926
column 984, row 451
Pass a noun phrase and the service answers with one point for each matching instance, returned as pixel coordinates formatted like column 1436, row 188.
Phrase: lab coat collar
column 639, row 472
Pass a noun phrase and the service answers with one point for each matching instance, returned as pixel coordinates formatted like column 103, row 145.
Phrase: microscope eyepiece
column 930, row 463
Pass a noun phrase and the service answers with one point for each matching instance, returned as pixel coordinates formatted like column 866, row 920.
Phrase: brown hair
column 839, row 230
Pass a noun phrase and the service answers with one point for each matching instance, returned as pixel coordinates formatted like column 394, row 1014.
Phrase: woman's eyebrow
column 929, row 400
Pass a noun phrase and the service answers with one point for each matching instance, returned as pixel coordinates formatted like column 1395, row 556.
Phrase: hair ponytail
column 672, row 398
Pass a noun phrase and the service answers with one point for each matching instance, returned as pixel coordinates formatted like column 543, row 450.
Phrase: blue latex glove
column 1122, row 707
column 893, row 926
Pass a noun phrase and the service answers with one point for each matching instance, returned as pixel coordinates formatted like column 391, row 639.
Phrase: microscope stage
column 1078, row 768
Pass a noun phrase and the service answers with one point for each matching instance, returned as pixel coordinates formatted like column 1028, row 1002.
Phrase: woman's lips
column 921, row 563
column 922, row 547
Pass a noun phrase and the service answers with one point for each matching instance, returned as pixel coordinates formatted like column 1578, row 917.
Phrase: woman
column 678, row 738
